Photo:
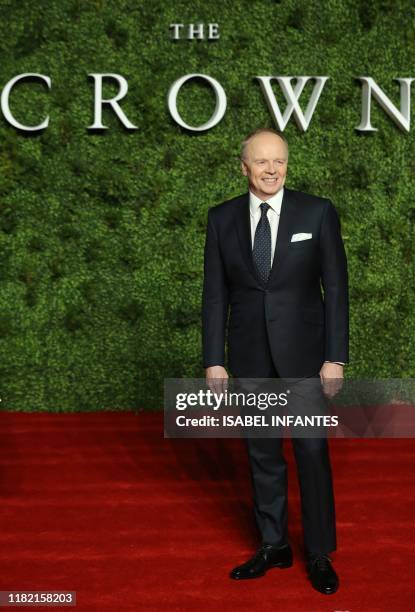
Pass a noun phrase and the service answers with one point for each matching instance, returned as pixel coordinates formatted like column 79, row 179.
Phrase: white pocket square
column 298, row 237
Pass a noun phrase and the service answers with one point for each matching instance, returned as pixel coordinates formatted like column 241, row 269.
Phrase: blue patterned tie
column 262, row 244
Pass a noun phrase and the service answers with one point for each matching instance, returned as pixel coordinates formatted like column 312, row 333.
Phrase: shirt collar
column 274, row 201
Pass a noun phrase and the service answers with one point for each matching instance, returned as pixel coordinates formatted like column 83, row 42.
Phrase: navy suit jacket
column 300, row 314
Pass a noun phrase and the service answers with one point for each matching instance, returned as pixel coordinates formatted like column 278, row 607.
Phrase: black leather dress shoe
column 267, row 556
column 322, row 575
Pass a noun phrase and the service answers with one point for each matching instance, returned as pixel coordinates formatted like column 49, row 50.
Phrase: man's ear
column 243, row 168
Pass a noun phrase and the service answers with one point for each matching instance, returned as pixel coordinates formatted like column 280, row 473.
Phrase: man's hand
column 331, row 375
column 217, row 379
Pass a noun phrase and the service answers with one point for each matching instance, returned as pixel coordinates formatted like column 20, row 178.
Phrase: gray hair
column 255, row 133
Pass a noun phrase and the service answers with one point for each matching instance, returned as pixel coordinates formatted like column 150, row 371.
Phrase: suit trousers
column 268, row 470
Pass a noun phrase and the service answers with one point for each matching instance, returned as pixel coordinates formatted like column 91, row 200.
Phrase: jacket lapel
column 286, row 224
column 243, row 227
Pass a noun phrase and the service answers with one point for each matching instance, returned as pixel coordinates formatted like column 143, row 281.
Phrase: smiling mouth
column 269, row 180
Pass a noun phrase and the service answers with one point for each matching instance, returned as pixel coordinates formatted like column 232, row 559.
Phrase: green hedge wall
column 102, row 234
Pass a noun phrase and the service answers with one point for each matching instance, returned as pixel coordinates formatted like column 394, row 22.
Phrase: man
column 269, row 253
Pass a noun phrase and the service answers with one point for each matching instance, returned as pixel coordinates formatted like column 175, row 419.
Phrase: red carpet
column 103, row 505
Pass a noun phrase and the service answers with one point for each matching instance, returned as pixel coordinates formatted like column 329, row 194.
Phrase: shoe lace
column 263, row 549
column 322, row 562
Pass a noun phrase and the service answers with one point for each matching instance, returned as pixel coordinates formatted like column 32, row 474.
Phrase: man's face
column 265, row 164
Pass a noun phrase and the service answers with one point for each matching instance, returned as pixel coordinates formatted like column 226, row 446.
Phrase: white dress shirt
column 273, row 215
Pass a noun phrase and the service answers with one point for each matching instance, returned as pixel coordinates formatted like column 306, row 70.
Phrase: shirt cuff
column 338, row 362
